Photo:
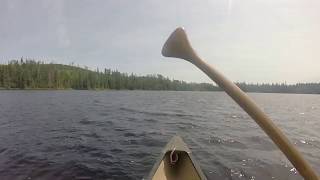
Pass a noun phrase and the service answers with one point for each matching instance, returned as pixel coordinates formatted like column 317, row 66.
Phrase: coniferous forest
column 31, row 74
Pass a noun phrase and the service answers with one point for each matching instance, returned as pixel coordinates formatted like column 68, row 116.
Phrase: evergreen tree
column 31, row 74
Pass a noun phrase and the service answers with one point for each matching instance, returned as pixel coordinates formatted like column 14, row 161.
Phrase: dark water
column 119, row 134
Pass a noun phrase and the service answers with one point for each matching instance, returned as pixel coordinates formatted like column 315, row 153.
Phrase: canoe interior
column 184, row 169
column 184, row 166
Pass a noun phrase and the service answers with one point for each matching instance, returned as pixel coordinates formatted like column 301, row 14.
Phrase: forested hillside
column 299, row 88
column 30, row 74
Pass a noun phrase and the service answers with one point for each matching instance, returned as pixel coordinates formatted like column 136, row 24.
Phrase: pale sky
column 247, row 40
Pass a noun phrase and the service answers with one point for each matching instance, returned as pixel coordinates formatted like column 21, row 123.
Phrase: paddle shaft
column 260, row 117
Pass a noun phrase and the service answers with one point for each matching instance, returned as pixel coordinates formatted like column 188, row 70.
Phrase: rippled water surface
column 119, row 134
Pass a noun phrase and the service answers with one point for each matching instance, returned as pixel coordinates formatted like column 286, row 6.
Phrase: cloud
column 248, row 40
column 63, row 37
column 58, row 20
column 229, row 7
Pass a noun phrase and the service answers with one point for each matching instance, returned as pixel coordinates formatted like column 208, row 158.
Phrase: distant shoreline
column 70, row 89
column 25, row 74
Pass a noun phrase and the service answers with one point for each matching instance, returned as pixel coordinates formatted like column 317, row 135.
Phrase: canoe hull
column 176, row 162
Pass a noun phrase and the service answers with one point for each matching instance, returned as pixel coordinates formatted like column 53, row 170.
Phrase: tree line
column 298, row 88
column 31, row 74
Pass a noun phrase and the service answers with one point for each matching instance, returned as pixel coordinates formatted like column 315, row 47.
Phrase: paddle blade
column 178, row 46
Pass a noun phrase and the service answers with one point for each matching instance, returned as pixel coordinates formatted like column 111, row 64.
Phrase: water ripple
column 119, row 134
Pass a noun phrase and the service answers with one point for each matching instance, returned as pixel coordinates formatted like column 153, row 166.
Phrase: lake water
column 119, row 134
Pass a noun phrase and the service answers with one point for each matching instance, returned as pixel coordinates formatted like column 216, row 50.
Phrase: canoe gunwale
column 176, row 144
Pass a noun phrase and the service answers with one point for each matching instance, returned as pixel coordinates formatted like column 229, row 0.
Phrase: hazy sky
column 248, row 40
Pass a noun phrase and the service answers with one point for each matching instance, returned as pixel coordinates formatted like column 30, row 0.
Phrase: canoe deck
column 176, row 163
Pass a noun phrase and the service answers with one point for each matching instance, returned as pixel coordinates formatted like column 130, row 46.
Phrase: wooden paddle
column 178, row 46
